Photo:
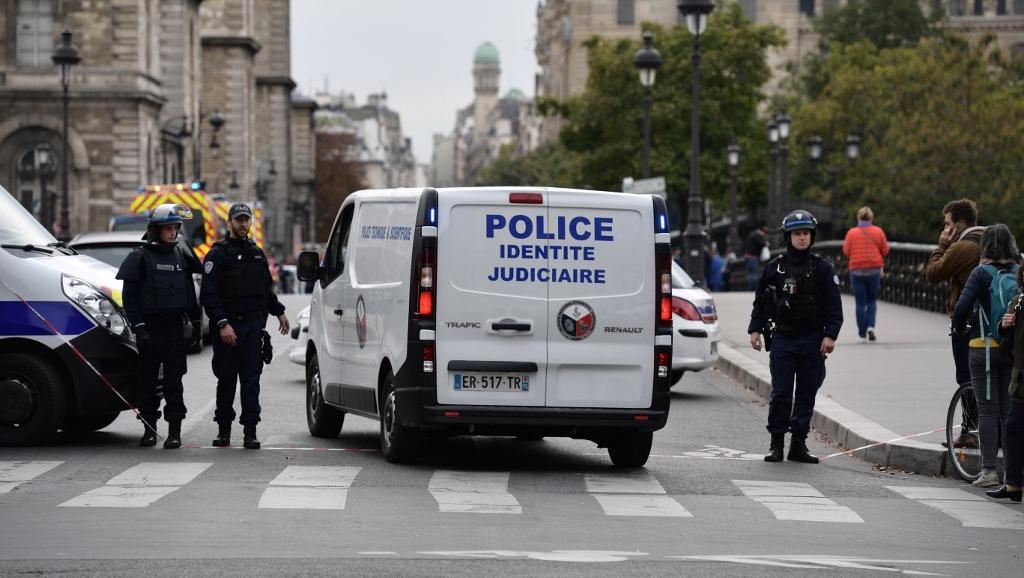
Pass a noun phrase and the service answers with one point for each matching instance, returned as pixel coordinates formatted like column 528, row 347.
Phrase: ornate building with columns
column 153, row 74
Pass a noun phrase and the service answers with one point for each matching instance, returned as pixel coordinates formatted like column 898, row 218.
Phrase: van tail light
column 428, row 359
column 427, row 264
column 685, row 309
column 663, row 283
column 662, row 363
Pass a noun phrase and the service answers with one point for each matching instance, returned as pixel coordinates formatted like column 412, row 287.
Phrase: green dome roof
column 515, row 94
column 486, row 53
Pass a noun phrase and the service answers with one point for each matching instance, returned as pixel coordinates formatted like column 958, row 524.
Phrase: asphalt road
column 706, row 504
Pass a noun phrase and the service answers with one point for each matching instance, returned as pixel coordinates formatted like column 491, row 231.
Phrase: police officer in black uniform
column 237, row 294
column 798, row 308
column 159, row 298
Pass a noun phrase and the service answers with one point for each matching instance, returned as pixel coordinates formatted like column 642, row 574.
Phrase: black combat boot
column 798, row 449
column 223, row 438
column 778, row 444
column 173, row 440
column 148, row 436
column 250, row 442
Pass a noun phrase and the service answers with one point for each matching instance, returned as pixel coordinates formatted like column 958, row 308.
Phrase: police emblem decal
column 576, row 320
column 361, row 321
column 208, row 266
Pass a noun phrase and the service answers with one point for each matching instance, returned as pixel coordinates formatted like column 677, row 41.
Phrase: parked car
column 300, row 333
column 113, row 247
column 695, row 323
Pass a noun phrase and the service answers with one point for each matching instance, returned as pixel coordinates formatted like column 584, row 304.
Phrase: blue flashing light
column 195, row 186
column 662, row 223
column 432, row 216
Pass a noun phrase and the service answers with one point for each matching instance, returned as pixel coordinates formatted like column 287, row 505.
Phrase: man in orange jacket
column 866, row 247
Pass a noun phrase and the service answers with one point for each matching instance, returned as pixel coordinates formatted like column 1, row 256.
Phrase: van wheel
column 677, row 374
column 323, row 420
column 399, row 445
column 32, row 400
column 631, row 450
column 77, row 423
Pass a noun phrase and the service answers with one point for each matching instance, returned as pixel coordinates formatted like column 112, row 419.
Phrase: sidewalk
column 898, row 386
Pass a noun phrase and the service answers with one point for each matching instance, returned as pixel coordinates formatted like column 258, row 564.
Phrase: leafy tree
column 604, row 124
column 550, row 165
column 938, row 120
column 336, row 177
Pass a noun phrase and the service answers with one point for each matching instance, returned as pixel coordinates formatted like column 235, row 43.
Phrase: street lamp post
column 696, row 14
column 733, row 156
column 817, row 153
column 647, row 61
column 773, row 152
column 65, row 56
column 43, row 165
column 784, row 123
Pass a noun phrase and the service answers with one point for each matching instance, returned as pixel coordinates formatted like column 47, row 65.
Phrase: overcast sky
column 419, row 51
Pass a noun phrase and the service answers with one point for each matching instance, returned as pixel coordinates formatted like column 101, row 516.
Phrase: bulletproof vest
column 244, row 275
column 167, row 283
column 795, row 289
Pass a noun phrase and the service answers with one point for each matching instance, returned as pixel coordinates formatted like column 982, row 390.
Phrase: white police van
column 493, row 311
column 46, row 383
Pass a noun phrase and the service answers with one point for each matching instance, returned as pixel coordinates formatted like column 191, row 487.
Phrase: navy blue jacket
column 830, row 303
column 975, row 293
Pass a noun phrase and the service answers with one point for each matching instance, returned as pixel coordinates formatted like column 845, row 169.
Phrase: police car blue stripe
column 17, row 320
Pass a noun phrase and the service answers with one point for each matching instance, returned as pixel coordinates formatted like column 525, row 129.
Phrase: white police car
column 493, row 311
column 695, row 324
column 59, row 315
column 300, row 333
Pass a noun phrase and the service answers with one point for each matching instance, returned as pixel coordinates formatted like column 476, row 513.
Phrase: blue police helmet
column 168, row 214
column 799, row 219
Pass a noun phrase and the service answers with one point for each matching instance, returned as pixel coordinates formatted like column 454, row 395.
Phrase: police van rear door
column 601, row 300
column 492, row 299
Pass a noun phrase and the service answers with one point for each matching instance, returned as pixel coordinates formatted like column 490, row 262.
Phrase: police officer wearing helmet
column 237, row 293
column 159, row 297
column 797, row 307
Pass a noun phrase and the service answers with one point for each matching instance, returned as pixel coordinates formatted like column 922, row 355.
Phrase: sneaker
column 871, row 334
column 987, row 480
column 861, row 340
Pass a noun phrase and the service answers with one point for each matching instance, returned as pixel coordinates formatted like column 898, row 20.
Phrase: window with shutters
column 807, row 7
column 35, row 32
column 627, row 12
column 1018, row 7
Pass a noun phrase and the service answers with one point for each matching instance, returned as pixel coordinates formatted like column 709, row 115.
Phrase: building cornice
column 84, row 95
column 247, row 42
column 276, row 81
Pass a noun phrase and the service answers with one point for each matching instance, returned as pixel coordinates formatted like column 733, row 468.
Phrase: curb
column 846, row 428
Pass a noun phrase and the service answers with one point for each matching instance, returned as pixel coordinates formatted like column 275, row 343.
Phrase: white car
column 695, row 324
column 300, row 333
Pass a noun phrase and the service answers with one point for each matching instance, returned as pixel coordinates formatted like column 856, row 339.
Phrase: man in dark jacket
column 159, row 297
column 957, row 254
column 757, row 240
column 797, row 304
column 237, row 294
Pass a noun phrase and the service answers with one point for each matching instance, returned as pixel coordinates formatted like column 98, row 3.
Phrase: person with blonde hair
column 866, row 247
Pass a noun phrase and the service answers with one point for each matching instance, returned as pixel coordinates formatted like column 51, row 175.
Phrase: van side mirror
column 309, row 266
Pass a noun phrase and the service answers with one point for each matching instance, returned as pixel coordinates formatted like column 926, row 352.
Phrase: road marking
column 310, row 488
column 819, row 562
column 13, row 474
column 473, row 492
column 633, row 494
column 139, row 486
column 972, row 510
column 796, row 501
column 553, row 556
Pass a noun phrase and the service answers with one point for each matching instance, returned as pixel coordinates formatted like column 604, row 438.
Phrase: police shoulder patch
column 835, row 278
column 208, row 266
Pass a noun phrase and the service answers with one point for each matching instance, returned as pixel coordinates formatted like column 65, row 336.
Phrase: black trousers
column 243, row 363
column 166, row 347
column 794, row 360
column 1014, row 447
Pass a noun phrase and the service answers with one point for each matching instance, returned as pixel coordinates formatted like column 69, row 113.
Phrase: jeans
column 243, row 363
column 166, row 347
column 865, row 293
column 1013, row 449
column 752, row 279
column 963, row 375
column 794, row 358
column 991, row 412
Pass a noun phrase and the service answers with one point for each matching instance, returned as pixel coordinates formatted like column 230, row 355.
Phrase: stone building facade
column 564, row 25
column 484, row 126
column 153, row 73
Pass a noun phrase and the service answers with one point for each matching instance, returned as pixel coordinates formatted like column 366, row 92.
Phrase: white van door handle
column 510, row 326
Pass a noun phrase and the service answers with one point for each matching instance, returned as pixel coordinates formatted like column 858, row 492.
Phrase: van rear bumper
column 590, row 423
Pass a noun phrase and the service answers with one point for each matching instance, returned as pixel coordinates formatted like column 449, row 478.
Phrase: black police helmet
column 798, row 219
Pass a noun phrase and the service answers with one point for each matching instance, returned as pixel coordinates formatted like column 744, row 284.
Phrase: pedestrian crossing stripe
column 972, row 510
column 139, row 486
column 796, row 501
column 310, row 488
column 13, row 474
column 473, row 492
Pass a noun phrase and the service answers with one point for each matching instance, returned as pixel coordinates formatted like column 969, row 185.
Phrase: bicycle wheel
column 962, row 440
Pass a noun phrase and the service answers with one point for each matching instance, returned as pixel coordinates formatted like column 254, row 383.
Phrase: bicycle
column 966, row 460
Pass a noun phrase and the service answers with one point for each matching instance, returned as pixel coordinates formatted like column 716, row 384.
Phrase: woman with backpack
column 866, row 247
column 1013, row 449
column 991, row 287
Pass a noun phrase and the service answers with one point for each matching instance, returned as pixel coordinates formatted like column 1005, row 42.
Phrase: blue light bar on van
column 432, row 216
column 195, row 186
column 662, row 223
